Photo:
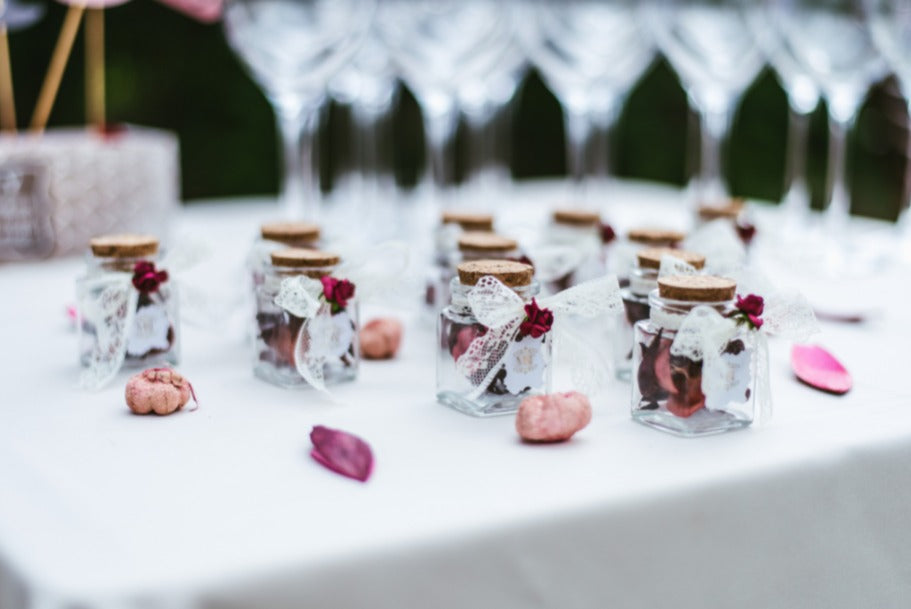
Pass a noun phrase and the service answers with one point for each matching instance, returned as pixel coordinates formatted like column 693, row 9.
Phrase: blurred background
column 168, row 71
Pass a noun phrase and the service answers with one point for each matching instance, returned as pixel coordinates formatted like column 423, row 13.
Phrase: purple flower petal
column 818, row 368
column 342, row 452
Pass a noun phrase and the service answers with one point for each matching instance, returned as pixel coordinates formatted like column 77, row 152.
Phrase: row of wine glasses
column 466, row 57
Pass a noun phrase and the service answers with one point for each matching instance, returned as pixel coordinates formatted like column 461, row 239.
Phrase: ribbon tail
column 112, row 315
column 311, row 369
column 587, row 365
column 763, row 388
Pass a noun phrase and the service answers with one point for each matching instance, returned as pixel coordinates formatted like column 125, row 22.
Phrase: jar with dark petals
column 580, row 230
column 465, row 379
column 124, row 284
column 283, row 340
column 667, row 384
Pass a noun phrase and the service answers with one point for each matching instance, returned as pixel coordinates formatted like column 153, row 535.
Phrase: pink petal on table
column 342, row 452
column 206, row 11
column 94, row 3
column 818, row 368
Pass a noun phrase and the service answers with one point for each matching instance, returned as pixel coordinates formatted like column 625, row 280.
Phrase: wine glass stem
column 603, row 120
column 797, row 196
column 440, row 122
column 577, row 128
column 298, row 191
column 714, row 125
column 839, row 209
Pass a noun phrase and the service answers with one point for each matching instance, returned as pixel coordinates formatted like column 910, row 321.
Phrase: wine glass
column 590, row 53
column 890, row 24
column 292, row 48
column 829, row 39
column 437, row 45
column 710, row 46
column 803, row 98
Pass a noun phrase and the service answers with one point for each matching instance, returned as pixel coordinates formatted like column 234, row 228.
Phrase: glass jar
column 446, row 248
column 126, row 303
column 330, row 337
column 581, row 230
column 476, row 246
column 517, row 364
column 667, row 389
column 638, row 239
column 733, row 212
column 642, row 280
column 281, row 235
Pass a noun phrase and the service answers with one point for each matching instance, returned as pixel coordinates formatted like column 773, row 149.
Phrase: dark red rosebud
column 146, row 279
column 746, row 232
column 756, row 321
column 336, row 291
column 607, row 233
column 537, row 321
column 751, row 304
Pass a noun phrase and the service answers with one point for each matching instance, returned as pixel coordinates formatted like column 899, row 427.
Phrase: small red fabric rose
column 146, row 278
column 750, row 309
column 537, row 321
column 607, row 233
column 337, row 292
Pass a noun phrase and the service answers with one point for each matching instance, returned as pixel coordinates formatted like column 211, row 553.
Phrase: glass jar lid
column 651, row 258
column 290, row 233
column 471, row 221
column 486, row 243
column 655, row 237
column 124, row 246
column 303, row 258
column 696, row 288
column 729, row 210
column 577, row 217
column 509, row 273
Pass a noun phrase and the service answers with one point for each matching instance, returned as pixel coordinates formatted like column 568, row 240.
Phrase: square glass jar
column 667, row 387
column 467, row 379
column 329, row 338
column 150, row 330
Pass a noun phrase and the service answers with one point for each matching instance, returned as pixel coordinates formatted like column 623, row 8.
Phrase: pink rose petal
column 342, row 452
column 205, row 11
column 818, row 368
column 94, row 3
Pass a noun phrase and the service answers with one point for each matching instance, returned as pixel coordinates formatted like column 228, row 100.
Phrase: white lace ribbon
column 109, row 304
column 719, row 243
column 502, row 311
column 703, row 334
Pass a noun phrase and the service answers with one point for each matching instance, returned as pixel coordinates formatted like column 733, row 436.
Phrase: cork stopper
column 472, row 221
column 728, row 211
column 511, row 274
column 696, row 288
column 290, row 233
column 301, row 258
column 124, row 246
column 656, row 237
column 651, row 258
column 577, row 217
column 486, row 242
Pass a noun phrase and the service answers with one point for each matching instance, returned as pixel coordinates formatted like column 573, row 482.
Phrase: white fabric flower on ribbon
column 330, row 336
column 501, row 311
column 149, row 330
column 525, row 363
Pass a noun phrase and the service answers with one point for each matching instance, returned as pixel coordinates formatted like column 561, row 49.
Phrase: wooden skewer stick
column 55, row 70
column 94, row 67
column 7, row 102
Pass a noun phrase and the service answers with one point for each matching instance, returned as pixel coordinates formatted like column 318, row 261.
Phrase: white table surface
column 223, row 507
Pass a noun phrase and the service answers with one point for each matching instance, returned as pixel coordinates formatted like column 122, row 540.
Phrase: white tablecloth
column 223, row 507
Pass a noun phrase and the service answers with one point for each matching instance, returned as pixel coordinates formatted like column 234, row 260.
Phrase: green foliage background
column 168, row 71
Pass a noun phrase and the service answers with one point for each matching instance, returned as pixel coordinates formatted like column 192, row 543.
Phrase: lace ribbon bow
column 502, row 311
column 703, row 334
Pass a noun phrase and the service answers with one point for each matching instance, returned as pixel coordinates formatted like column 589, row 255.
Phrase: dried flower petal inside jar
column 680, row 387
column 306, row 324
column 642, row 280
column 128, row 307
column 486, row 371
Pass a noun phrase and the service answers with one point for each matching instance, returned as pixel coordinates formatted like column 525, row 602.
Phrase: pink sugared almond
column 553, row 418
column 381, row 338
column 159, row 390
